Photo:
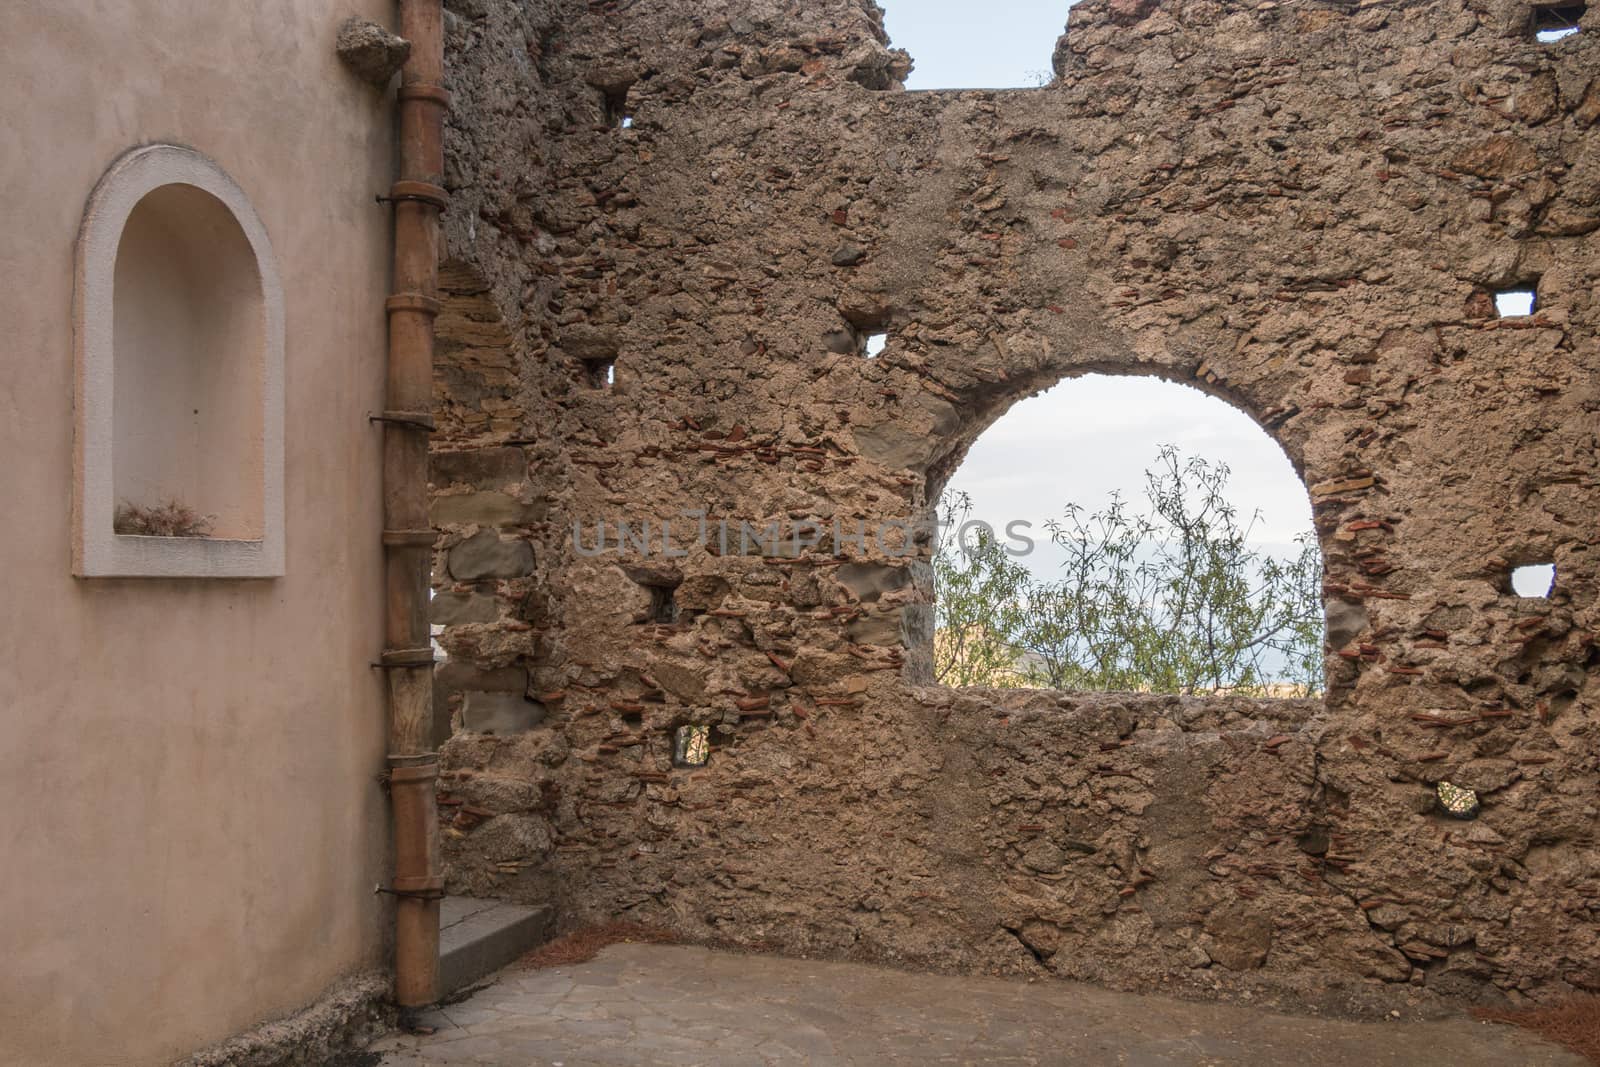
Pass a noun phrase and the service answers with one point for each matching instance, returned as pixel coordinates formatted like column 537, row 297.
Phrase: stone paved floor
column 655, row 1004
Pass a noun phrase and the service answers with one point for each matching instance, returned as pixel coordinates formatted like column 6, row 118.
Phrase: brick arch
column 982, row 408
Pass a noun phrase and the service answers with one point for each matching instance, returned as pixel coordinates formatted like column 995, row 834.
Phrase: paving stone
column 477, row 937
column 764, row 1011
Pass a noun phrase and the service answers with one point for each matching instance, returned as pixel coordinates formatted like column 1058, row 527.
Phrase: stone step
column 478, row 937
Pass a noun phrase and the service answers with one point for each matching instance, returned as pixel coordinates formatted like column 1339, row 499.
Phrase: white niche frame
column 98, row 551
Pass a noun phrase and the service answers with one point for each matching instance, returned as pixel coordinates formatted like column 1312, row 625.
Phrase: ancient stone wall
column 1303, row 208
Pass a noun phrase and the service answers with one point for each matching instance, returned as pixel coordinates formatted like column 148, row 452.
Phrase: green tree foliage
column 982, row 605
column 1169, row 598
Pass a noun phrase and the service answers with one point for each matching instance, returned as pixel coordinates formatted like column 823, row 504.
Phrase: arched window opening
column 1126, row 533
column 960, row 45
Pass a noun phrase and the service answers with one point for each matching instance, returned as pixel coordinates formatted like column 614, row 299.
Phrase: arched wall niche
column 179, row 344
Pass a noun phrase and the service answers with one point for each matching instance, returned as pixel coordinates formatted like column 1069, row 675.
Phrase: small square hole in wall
column 1512, row 303
column 614, row 104
column 663, row 608
column 873, row 344
column 1534, row 580
column 692, row 746
column 600, row 373
column 1554, row 21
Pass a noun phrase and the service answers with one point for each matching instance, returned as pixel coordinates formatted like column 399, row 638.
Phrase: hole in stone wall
column 1534, row 580
column 1152, row 487
column 866, row 329
column 435, row 629
column 661, row 583
column 614, row 102
column 600, row 373
column 1515, row 302
column 691, row 746
column 663, row 608
column 1553, row 22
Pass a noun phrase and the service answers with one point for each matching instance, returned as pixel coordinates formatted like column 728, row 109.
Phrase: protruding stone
column 1488, row 775
column 485, row 509
column 482, row 468
column 1241, row 940
column 613, row 79
column 1127, row 12
column 1588, row 109
column 501, row 714
column 884, row 629
column 900, row 443
column 1044, row 858
column 1345, row 622
column 655, row 574
column 484, row 555
column 1500, row 156
column 681, row 682
column 702, row 592
column 869, row 581
column 453, row 609
column 506, row 838
column 455, row 676
column 590, row 343
column 370, row 51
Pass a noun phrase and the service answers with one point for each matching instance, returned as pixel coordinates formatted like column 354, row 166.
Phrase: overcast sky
column 1092, row 435
column 976, row 44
